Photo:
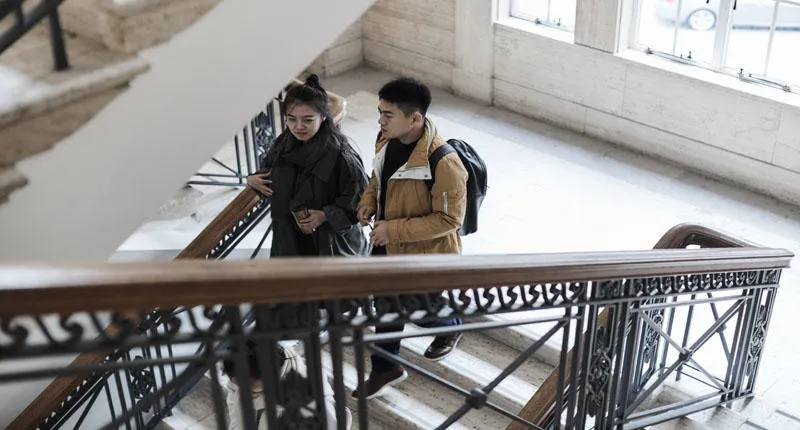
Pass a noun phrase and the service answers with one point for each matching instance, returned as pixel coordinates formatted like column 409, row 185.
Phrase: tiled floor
column 553, row 191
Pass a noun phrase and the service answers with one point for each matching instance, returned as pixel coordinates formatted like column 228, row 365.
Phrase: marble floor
column 552, row 190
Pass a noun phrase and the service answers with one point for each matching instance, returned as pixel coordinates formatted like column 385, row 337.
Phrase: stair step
column 417, row 403
column 476, row 362
column 132, row 25
column 521, row 337
column 41, row 106
column 682, row 424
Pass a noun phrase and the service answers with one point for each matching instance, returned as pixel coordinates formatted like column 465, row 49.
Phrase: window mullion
column 722, row 33
column 677, row 28
column 772, row 28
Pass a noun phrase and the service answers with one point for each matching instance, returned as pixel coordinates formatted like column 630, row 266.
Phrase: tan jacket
column 421, row 221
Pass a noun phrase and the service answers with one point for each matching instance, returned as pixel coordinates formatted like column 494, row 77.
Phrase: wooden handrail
column 39, row 288
column 541, row 406
column 58, row 390
column 220, row 226
column 36, row 288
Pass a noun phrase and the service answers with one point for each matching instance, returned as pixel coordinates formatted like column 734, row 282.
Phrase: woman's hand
column 259, row 182
column 314, row 219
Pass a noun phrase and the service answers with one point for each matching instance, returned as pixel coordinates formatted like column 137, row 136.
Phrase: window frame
column 547, row 22
column 722, row 38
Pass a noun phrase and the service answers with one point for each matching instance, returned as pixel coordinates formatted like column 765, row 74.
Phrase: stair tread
column 680, row 424
column 417, row 403
column 522, row 336
column 476, row 362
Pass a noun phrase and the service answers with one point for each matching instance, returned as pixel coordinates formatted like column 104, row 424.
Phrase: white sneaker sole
column 389, row 384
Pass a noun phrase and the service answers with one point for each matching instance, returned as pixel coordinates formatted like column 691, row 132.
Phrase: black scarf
column 303, row 161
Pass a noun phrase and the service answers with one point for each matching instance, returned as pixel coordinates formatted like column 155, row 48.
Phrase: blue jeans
column 381, row 364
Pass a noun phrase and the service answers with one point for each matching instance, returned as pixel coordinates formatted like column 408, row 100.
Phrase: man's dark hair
column 409, row 94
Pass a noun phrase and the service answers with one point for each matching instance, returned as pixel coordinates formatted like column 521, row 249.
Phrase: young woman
column 315, row 180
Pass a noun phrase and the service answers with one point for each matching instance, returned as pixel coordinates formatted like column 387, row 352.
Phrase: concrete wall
column 97, row 186
column 704, row 121
column 345, row 53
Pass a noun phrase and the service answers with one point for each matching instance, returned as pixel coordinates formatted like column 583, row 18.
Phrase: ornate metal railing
column 540, row 408
column 612, row 371
column 25, row 20
column 249, row 146
column 66, row 396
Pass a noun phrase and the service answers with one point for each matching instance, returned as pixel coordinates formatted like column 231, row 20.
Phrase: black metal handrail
column 24, row 21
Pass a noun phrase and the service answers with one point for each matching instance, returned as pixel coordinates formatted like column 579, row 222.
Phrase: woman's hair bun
column 313, row 81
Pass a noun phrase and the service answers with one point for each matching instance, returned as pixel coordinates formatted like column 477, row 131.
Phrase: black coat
column 321, row 175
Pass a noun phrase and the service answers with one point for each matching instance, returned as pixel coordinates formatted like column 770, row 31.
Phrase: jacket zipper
column 445, row 202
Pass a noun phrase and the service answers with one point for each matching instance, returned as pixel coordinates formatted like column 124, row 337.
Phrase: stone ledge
column 10, row 180
column 48, row 98
column 37, row 133
column 132, row 25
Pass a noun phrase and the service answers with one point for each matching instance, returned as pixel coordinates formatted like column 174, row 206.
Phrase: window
column 756, row 40
column 552, row 13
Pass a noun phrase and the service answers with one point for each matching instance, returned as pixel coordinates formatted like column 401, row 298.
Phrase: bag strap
column 434, row 159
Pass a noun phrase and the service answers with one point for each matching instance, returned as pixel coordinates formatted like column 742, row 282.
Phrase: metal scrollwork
column 651, row 335
column 142, row 380
column 14, row 338
column 609, row 289
column 599, row 372
column 756, row 341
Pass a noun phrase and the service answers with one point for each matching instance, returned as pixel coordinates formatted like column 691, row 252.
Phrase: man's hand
column 365, row 215
column 259, row 182
column 310, row 223
column 379, row 236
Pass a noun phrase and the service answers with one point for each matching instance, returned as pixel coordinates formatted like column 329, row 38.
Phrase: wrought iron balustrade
column 618, row 320
column 24, row 19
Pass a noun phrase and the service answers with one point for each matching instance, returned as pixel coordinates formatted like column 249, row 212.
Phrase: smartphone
column 301, row 214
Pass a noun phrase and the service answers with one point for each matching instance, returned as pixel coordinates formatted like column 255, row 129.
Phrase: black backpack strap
column 433, row 160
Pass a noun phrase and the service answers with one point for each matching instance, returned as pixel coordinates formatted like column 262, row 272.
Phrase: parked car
column 701, row 16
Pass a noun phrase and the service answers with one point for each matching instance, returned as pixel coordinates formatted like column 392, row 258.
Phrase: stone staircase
column 104, row 38
column 40, row 106
column 421, row 403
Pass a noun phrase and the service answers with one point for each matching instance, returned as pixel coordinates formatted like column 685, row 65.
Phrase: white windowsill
column 711, row 77
column 538, row 29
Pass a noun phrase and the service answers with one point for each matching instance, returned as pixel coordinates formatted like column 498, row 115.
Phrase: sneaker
column 442, row 346
column 379, row 381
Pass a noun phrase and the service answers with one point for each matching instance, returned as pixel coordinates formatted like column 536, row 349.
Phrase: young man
column 410, row 216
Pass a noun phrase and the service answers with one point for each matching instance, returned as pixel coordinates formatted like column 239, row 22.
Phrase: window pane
column 695, row 25
column 749, row 40
column 749, row 43
column 559, row 13
column 784, row 63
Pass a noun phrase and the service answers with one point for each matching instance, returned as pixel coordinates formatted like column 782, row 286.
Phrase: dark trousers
column 381, row 364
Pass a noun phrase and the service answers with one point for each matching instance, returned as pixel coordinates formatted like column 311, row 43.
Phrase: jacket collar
column 418, row 166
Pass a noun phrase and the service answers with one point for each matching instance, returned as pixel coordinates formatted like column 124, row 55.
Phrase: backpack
column 476, row 182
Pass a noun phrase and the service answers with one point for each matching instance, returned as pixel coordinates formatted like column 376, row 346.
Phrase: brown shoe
column 442, row 346
column 379, row 381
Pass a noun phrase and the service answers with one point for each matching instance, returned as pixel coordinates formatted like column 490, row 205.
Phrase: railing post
column 57, row 36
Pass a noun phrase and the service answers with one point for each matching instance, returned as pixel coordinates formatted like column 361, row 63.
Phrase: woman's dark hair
column 311, row 94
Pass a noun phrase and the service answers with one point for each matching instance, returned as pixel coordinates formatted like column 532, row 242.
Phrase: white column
column 474, row 45
column 597, row 24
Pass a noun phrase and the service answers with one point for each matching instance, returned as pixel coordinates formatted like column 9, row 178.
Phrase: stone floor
column 553, row 190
